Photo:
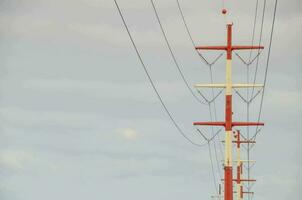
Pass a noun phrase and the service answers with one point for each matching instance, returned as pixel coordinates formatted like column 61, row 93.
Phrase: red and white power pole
column 228, row 123
column 239, row 165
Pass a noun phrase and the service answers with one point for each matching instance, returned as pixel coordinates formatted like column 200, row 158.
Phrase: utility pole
column 228, row 122
column 239, row 163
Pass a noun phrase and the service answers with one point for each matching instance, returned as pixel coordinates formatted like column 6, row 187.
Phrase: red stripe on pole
column 238, row 174
column 229, row 42
column 228, row 112
column 228, row 185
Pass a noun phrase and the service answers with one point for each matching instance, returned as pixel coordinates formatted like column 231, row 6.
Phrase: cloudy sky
column 79, row 119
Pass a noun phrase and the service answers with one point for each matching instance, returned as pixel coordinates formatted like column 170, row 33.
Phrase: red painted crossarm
column 211, row 47
column 247, row 124
column 245, row 180
column 246, row 47
column 233, row 124
column 209, row 123
column 226, row 48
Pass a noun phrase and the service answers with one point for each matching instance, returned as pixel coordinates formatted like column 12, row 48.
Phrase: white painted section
column 221, row 85
column 228, row 149
column 246, row 85
column 228, row 77
column 251, row 161
column 238, row 191
column 210, row 85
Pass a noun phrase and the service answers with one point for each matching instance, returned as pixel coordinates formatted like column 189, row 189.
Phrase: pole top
column 230, row 24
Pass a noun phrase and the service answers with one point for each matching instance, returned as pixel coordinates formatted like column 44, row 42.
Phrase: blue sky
column 79, row 119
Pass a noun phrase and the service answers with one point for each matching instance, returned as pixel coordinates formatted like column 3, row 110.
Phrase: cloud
column 137, row 91
column 15, row 160
column 39, row 102
column 128, row 133
column 284, row 100
column 33, row 118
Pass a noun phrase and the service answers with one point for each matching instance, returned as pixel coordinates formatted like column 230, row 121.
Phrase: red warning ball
column 224, row 11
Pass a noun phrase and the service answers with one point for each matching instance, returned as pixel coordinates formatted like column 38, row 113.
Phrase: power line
column 189, row 33
column 210, row 155
column 248, row 99
column 211, row 138
column 254, row 27
column 212, row 166
column 185, row 23
column 267, row 64
column 260, row 39
column 172, row 54
column 214, row 105
column 211, row 75
column 178, row 67
column 152, row 83
column 201, row 56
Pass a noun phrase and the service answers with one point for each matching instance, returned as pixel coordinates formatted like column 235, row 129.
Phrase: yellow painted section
column 238, row 192
column 221, row 85
column 228, row 83
column 246, row 85
column 210, row 85
column 228, row 149
column 251, row 161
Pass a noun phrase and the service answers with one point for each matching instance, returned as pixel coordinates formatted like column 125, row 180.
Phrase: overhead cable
column 267, row 63
column 173, row 56
column 152, row 83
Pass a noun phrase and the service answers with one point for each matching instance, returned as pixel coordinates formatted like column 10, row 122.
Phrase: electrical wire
column 212, row 166
column 248, row 63
column 210, row 155
column 201, row 56
column 189, row 33
column 213, row 99
column 152, row 83
column 267, row 64
column 212, row 138
column 183, row 77
column 211, row 75
column 260, row 40
column 254, row 28
column 214, row 106
column 248, row 79
column 173, row 56
column 265, row 77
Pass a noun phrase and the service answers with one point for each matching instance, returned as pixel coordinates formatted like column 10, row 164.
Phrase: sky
column 79, row 119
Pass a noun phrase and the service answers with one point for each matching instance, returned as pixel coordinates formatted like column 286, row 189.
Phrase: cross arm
column 246, row 47
column 211, row 48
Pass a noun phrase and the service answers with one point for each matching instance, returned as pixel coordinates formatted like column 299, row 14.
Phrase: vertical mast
column 228, row 171
column 228, row 122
